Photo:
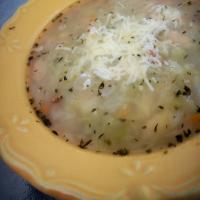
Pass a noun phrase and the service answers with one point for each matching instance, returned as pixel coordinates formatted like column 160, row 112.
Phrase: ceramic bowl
column 60, row 169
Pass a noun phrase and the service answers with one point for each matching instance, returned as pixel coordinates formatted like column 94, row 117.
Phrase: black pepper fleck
column 30, row 58
column 179, row 138
column 121, row 152
column 171, row 145
column 31, row 100
column 101, row 86
column 55, row 132
column 161, row 107
column 56, row 90
column 57, row 17
column 198, row 109
column 187, row 91
column 197, row 131
column 148, row 151
column 43, row 117
column 27, row 88
column 144, row 127
column 178, row 93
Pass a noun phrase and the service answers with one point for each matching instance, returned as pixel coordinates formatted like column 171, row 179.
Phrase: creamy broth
column 119, row 77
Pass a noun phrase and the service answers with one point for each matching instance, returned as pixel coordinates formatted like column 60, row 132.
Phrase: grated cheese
column 121, row 48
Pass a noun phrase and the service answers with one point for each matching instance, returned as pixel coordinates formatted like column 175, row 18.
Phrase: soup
column 119, row 77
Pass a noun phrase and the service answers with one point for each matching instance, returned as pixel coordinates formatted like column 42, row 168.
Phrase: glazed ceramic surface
column 12, row 186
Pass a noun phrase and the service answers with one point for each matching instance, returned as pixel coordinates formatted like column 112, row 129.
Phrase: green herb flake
column 108, row 142
column 93, row 110
column 71, row 90
column 165, row 152
column 100, row 136
column 122, row 120
column 58, row 60
column 83, row 144
column 156, row 128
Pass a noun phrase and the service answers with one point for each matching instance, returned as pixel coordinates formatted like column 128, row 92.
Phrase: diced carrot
column 45, row 107
column 57, row 99
column 194, row 119
column 124, row 111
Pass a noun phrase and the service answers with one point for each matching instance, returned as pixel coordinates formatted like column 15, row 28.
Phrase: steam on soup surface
column 119, row 76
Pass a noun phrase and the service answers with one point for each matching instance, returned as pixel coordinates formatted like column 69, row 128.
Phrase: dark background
column 12, row 186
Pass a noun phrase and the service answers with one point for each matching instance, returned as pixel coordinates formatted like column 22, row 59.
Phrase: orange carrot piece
column 194, row 119
column 45, row 108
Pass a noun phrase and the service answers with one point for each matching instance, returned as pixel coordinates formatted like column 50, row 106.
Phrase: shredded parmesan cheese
column 120, row 48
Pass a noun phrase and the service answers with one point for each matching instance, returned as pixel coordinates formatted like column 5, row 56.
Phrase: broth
column 119, row 77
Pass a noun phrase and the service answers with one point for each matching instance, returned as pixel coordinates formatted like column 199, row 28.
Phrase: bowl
column 60, row 169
